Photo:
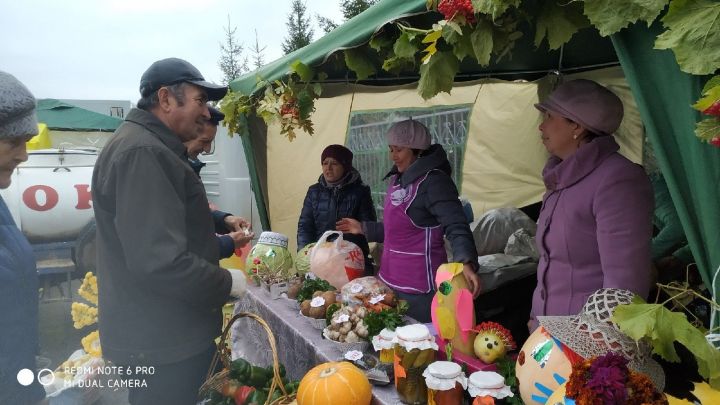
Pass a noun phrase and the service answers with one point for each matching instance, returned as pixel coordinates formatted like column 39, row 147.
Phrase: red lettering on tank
column 84, row 197
column 30, row 197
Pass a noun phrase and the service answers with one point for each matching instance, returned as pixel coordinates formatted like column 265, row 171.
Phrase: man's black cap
column 170, row 71
column 215, row 115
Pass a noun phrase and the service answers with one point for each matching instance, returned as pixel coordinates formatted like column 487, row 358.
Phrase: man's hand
column 472, row 279
column 240, row 238
column 349, row 225
column 236, row 224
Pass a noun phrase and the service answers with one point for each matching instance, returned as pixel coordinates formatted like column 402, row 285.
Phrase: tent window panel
column 448, row 126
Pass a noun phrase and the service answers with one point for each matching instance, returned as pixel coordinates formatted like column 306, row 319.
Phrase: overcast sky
column 98, row 49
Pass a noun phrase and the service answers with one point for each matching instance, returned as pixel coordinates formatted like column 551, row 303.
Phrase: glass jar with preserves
column 415, row 349
column 446, row 383
column 482, row 384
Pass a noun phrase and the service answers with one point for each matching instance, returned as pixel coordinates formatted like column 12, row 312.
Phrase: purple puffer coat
column 594, row 228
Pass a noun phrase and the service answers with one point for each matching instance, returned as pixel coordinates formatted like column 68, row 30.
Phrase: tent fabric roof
column 352, row 33
column 527, row 61
column 59, row 115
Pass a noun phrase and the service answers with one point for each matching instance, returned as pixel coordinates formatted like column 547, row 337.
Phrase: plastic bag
column 493, row 229
column 522, row 243
column 336, row 262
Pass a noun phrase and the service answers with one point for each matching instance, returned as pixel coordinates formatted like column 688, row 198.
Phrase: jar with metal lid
column 415, row 349
column 483, row 384
column 446, row 383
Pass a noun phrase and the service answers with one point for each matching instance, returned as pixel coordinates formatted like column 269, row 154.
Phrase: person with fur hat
column 422, row 207
column 18, row 274
column 338, row 193
column 160, row 288
column 595, row 224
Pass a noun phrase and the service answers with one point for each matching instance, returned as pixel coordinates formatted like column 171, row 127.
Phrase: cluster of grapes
column 452, row 8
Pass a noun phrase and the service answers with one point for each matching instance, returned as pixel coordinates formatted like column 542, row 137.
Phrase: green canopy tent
column 59, row 115
column 75, row 127
column 662, row 91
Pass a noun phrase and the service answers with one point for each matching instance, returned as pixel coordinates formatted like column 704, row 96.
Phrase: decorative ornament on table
column 338, row 261
column 452, row 309
column 270, row 260
column 492, row 342
column 546, row 360
column 542, row 365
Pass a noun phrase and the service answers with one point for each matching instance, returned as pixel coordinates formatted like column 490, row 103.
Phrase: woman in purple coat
column 595, row 224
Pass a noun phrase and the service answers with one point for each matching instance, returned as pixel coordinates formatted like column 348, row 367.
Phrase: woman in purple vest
column 421, row 206
column 595, row 224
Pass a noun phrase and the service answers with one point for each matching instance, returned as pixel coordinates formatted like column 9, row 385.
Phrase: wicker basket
column 214, row 382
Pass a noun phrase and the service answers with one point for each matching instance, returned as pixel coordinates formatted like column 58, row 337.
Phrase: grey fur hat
column 17, row 108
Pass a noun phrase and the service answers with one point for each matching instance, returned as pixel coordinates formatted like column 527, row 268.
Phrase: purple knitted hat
column 591, row 105
column 409, row 134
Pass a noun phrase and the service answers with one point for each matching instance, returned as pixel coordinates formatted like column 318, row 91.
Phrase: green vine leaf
column 431, row 38
column 710, row 97
column 404, row 47
column 464, row 45
column 693, row 35
column 558, row 23
column 504, row 38
column 664, row 327
column 713, row 82
column 397, row 65
column 235, row 105
column 482, row 41
column 380, row 42
column 610, row 16
column 708, row 129
column 303, row 71
column 358, row 61
column 495, row 8
column 438, row 74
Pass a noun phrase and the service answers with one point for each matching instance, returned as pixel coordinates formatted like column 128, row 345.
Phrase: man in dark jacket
column 339, row 193
column 159, row 285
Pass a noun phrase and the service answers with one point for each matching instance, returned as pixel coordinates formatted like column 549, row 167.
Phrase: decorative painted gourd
column 334, row 383
column 492, row 341
column 541, row 367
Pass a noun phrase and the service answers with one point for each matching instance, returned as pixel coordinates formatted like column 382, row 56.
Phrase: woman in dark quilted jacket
column 339, row 193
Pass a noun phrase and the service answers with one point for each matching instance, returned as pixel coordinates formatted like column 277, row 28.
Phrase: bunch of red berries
column 452, row 8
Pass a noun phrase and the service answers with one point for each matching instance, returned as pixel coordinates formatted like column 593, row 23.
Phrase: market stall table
column 300, row 345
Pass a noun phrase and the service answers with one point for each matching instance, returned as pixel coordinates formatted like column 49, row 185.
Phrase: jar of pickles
column 415, row 349
column 446, row 383
column 485, row 385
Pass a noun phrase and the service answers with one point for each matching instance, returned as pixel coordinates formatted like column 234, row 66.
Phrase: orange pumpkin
column 334, row 383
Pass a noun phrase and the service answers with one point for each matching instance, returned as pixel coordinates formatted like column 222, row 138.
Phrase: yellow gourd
column 334, row 383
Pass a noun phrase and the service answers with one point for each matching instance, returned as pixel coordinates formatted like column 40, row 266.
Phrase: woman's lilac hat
column 589, row 104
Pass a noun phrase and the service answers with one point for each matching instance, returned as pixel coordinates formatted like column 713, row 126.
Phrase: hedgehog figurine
column 492, row 341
